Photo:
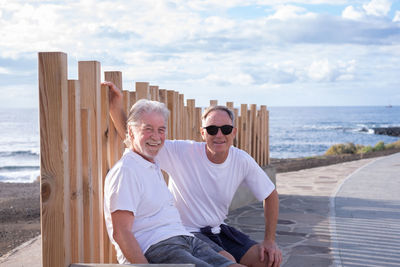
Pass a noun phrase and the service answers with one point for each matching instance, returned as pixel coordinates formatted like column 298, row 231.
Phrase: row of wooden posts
column 79, row 144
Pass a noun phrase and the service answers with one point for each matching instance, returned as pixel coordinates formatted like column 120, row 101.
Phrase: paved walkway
column 346, row 214
column 366, row 216
column 340, row 215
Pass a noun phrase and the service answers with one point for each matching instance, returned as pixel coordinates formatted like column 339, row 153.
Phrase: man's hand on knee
column 270, row 250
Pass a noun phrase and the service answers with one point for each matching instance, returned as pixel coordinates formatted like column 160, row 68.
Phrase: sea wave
column 19, row 176
column 19, row 153
column 17, row 168
column 367, row 128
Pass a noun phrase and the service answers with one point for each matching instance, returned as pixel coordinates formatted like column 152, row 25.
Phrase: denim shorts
column 237, row 248
column 185, row 249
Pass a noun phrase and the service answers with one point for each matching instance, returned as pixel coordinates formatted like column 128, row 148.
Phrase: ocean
column 294, row 132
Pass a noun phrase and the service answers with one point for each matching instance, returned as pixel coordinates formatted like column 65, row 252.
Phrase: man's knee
column 252, row 258
column 227, row 255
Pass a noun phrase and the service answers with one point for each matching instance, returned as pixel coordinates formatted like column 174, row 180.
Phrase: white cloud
column 351, row 13
column 377, row 8
column 4, row 71
column 326, row 71
column 236, row 78
column 396, row 16
column 286, row 12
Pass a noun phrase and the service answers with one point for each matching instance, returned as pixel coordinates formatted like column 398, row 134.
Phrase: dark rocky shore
column 390, row 131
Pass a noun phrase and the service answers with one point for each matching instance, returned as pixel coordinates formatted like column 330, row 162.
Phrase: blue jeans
column 185, row 249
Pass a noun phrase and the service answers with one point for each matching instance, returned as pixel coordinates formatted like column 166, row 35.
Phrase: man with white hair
column 205, row 176
column 142, row 220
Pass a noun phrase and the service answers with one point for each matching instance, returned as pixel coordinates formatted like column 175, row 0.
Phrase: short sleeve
column 257, row 180
column 125, row 191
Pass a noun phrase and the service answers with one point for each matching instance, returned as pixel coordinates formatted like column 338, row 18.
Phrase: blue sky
column 276, row 53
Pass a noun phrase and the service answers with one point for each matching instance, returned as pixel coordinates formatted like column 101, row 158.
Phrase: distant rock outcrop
column 390, row 131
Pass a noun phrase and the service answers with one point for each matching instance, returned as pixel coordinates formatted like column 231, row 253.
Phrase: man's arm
column 117, row 112
column 122, row 221
column 269, row 246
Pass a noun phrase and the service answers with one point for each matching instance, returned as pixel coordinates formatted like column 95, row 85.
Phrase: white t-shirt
column 204, row 190
column 137, row 185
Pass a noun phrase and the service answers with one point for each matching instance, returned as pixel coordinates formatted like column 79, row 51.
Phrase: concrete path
column 366, row 216
column 336, row 215
column 303, row 230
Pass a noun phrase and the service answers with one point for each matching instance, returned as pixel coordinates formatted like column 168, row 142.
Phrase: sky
column 265, row 52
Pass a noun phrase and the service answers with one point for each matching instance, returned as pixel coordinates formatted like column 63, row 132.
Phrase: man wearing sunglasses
column 203, row 180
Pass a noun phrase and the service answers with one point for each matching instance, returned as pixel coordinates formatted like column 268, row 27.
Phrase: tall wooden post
column 105, row 128
column 54, row 159
column 87, row 185
column 75, row 160
column 89, row 77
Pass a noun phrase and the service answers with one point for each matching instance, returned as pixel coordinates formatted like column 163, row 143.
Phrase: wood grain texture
column 89, row 78
column 54, row 158
column 75, row 160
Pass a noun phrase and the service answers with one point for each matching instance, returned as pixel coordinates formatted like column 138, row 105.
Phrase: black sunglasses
column 213, row 130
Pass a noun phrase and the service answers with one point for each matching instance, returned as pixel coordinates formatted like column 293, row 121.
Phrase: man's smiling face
column 219, row 143
column 149, row 137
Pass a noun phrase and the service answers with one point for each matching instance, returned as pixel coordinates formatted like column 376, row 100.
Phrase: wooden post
column 75, row 160
column 107, row 258
column 54, row 159
column 253, row 123
column 163, row 96
column 243, row 127
column 191, row 109
column 181, row 114
column 127, row 101
column 132, row 97
column 185, row 122
column 229, row 105
column 172, row 106
column 142, row 90
column 267, row 161
column 154, row 93
column 258, row 135
column 87, row 185
column 237, row 125
column 197, row 126
column 263, row 135
column 89, row 77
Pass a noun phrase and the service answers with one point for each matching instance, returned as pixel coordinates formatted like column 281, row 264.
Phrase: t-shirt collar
column 139, row 159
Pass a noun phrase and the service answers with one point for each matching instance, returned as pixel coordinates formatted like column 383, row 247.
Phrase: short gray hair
column 136, row 112
column 208, row 110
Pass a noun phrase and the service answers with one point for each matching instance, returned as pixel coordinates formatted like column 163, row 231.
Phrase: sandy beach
column 19, row 213
column 20, row 202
